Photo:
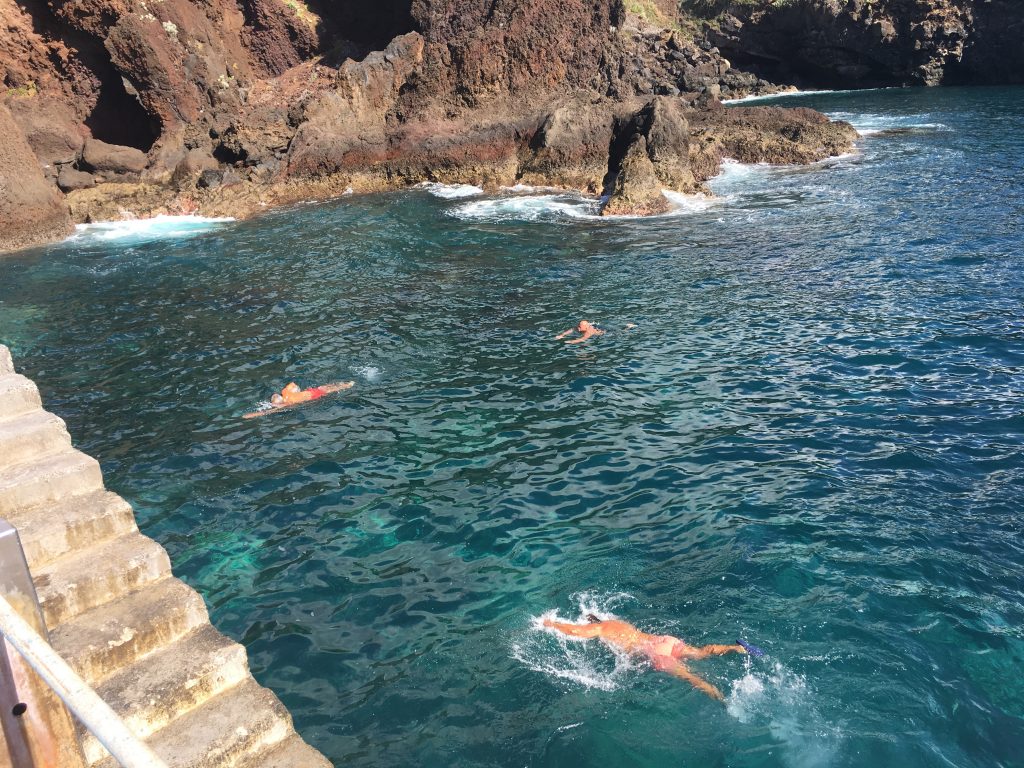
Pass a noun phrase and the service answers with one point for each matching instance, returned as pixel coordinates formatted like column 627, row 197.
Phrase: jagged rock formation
column 225, row 106
column 140, row 637
column 862, row 43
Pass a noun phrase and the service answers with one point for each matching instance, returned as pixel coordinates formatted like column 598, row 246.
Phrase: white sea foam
column 527, row 208
column 782, row 701
column 450, row 191
column 147, row 229
column 567, row 206
column 528, row 189
column 791, row 94
column 868, row 124
column 688, row 203
column 592, row 665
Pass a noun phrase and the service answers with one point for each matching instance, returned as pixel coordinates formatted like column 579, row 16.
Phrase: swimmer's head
column 276, row 399
column 584, row 326
column 593, row 619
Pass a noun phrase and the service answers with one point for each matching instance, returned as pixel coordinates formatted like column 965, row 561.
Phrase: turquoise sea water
column 812, row 440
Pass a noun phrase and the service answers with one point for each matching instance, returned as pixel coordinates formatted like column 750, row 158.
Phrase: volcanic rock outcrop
column 226, row 106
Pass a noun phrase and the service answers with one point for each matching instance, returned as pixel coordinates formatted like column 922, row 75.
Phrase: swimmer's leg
column 673, row 667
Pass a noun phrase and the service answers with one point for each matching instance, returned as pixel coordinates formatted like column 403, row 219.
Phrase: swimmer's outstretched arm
column 673, row 667
column 575, row 630
column 564, row 333
column 586, row 335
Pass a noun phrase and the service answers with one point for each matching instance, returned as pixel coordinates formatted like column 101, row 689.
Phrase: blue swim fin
column 753, row 650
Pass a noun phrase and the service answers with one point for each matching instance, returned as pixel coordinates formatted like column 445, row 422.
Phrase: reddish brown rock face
column 31, row 209
column 311, row 97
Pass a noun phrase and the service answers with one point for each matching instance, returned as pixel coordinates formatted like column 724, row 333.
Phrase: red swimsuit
column 316, row 392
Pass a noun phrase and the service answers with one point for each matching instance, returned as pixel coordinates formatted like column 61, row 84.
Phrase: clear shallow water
column 813, row 440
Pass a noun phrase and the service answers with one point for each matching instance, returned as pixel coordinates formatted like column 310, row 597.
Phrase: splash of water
column 782, row 701
column 573, row 659
column 368, row 372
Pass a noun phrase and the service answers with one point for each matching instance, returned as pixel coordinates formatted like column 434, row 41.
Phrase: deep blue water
column 812, row 440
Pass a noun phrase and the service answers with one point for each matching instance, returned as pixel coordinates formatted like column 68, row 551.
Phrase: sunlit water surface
column 813, row 440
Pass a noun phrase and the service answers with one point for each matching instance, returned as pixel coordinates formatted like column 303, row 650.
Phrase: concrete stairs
column 140, row 637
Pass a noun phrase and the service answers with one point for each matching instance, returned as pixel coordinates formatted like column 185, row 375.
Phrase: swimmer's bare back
column 664, row 651
column 303, row 397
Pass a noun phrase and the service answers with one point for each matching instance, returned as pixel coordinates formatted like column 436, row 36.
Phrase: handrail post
column 37, row 731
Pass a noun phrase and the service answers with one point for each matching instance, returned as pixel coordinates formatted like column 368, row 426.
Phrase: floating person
column 292, row 395
column 665, row 651
column 585, row 328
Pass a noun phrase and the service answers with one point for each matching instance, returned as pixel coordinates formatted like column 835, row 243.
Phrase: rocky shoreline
column 124, row 109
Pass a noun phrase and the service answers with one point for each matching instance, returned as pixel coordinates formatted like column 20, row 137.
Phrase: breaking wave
column 140, row 230
column 450, row 191
column 554, row 207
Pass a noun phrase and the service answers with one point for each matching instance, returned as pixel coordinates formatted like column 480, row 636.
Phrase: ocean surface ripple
column 813, row 439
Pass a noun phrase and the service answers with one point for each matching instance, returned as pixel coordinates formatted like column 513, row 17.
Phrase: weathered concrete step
column 18, row 396
column 53, row 530
column 229, row 729
column 169, row 683
column 85, row 579
column 32, row 436
column 69, row 473
column 6, row 363
column 101, row 641
column 293, row 752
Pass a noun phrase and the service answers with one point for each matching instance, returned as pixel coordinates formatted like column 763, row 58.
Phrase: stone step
column 32, row 436
column 18, row 396
column 237, row 725
column 53, row 530
column 99, row 642
column 293, row 752
column 86, row 579
column 169, row 683
column 52, row 478
column 6, row 363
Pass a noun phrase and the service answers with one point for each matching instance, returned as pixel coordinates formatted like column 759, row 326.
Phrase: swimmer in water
column 291, row 394
column 665, row 652
column 586, row 329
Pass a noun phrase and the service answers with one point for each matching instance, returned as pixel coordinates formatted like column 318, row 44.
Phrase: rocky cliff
column 136, row 107
column 862, row 43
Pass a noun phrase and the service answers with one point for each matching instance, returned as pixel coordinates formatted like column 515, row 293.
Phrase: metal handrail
column 93, row 712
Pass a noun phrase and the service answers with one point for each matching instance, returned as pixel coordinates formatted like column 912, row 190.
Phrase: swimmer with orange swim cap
column 665, row 651
column 291, row 394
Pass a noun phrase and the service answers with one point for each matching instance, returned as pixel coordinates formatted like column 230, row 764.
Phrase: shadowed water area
column 812, row 440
